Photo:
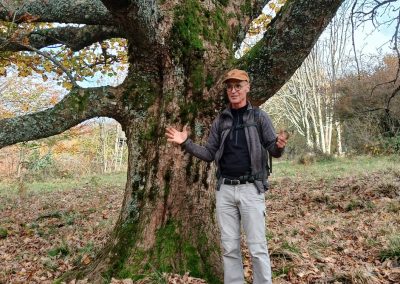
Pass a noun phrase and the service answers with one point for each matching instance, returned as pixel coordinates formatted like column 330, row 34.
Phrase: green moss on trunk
column 193, row 26
column 171, row 253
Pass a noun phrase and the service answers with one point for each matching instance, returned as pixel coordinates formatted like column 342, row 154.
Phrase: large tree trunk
column 169, row 197
column 167, row 220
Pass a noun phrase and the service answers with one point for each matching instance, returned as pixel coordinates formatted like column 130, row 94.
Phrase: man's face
column 237, row 92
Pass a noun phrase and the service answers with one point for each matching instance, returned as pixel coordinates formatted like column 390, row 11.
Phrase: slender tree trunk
column 338, row 126
column 103, row 146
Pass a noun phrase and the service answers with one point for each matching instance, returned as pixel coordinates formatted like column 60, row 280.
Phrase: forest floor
column 334, row 221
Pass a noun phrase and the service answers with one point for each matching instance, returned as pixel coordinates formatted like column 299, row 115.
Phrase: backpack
column 256, row 123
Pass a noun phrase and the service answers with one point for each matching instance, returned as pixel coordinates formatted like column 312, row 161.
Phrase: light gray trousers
column 243, row 204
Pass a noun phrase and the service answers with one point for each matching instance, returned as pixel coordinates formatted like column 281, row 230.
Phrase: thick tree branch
column 285, row 45
column 139, row 19
column 73, row 37
column 79, row 105
column 90, row 12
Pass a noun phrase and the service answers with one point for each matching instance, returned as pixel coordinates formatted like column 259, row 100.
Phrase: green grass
column 62, row 250
column 333, row 168
column 106, row 180
column 290, row 247
column 326, row 168
column 393, row 250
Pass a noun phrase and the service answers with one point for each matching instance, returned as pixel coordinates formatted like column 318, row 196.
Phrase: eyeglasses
column 236, row 86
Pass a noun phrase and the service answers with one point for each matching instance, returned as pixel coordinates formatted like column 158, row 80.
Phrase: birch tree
column 308, row 100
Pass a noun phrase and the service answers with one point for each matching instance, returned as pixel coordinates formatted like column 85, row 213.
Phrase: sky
column 368, row 39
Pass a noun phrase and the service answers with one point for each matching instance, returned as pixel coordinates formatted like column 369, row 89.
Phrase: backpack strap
column 257, row 119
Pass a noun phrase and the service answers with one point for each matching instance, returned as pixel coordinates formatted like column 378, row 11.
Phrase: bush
column 39, row 167
column 391, row 145
column 323, row 157
column 307, row 158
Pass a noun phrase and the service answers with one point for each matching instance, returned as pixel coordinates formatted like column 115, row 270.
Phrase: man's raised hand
column 282, row 139
column 176, row 136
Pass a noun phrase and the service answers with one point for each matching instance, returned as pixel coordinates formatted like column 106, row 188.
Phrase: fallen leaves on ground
column 323, row 231
column 334, row 231
column 50, row 233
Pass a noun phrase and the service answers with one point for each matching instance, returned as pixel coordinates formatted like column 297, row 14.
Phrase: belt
column 236, row 181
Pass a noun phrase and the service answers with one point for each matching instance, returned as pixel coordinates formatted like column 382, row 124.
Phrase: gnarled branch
column 285, row 45
column 90, row 12
column 139, row 18
column 79, row 105
column 76, row 38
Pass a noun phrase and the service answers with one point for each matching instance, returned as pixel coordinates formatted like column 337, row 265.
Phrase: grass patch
column 61, row 250
column 333, row 168
column 51, row 185
column 280, row 272
column 3, row 233
column 393, row 250
column 393, row 207
column 290, row 247
column 354, row 204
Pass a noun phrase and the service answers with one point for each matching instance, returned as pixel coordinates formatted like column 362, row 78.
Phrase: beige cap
column 237, row 74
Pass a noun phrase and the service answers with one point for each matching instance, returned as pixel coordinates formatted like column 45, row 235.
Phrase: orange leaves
column 48, row 66
column 70, row 147
column 53, row 99
column 272, row 6
column 21, row 95
column 108, row 57
column 25, row 72
column 85, row 259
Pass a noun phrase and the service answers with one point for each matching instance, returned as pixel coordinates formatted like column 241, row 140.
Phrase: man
column 239, row 153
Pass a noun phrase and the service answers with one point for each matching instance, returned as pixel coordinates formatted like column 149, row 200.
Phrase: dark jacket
column 214, row 148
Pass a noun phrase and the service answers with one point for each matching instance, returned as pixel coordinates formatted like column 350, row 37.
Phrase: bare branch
column 353, row 37
column 393, row 94
column 285, row 45
column 76, row 38
column 90, row 12
column 55, row 61
column 79, row 105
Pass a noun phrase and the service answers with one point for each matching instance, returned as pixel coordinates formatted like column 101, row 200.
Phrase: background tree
column 384, row 15
column 308, row 99
column 177, row 53
column 311, row 100
column 370, row 108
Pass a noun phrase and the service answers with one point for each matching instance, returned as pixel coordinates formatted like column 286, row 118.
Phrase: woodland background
column 334, row 208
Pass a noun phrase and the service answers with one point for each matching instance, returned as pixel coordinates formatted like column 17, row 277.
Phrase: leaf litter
column 318, row 231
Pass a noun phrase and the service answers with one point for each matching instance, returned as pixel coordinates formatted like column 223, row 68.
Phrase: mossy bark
column 167, row 221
